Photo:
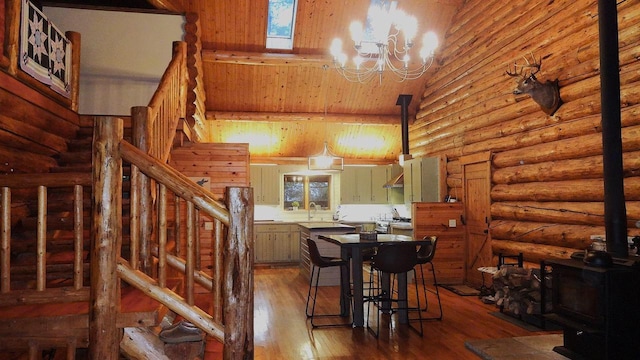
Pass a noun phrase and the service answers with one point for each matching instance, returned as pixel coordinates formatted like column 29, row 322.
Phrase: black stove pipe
column 615, row 214
column 404, row 101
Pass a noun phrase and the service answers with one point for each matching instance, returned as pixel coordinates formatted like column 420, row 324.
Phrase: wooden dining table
column 351, row 247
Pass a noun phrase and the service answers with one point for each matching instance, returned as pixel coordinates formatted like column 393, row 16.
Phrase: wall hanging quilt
column 45, row 53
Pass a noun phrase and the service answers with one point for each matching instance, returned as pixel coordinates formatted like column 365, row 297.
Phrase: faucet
column 315, row 209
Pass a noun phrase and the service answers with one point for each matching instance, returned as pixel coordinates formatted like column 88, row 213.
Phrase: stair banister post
column 142, row 139
column 238, row 275
column 104, row 337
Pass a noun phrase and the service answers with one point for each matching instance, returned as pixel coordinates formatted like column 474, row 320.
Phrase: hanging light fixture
column 384, row 46
column 326, row 160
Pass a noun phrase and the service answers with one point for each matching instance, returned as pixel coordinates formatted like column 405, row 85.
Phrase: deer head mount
column 547, row 95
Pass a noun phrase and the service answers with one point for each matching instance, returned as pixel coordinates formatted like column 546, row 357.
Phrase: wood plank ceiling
column 284, row 103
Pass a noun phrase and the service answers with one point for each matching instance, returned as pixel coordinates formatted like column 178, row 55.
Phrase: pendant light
column 326, row 160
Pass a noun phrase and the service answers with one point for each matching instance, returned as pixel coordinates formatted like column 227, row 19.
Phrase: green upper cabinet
column 265, row 180
column 422, row 180
column 355, row 185
column 364, row 184
column 379, row 177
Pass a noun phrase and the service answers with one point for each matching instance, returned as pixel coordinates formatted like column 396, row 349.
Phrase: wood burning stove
column 597, row 307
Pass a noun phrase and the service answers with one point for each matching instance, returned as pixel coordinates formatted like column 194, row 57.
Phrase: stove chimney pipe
column 403, row 101
column 615, row 214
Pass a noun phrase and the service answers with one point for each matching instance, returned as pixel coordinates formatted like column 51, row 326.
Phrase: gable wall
column 547, row 184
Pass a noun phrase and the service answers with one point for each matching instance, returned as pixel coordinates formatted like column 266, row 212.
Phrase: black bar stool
column 393, row 259
column 426, row 253
column 320, row 262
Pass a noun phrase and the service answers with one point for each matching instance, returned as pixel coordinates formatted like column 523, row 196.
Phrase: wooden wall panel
column 547, row 193
column 223, row 165
column 432, row 219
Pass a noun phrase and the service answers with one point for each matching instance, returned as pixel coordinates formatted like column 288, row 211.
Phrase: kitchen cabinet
column 364, row 184
column 355, row 185
column 265, row 180
column 379, row 176
column 422, row 180
column 276, row 243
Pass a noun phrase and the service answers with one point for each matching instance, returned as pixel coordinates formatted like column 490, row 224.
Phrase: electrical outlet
column 208, row 225
column 452, row 223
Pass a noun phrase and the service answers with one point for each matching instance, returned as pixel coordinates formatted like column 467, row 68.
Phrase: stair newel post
column 142, row 138
column 238, row 275
column 104, row 337
column 74, row 38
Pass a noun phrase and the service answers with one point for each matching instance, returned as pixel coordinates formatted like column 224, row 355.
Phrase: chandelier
column 384, row 46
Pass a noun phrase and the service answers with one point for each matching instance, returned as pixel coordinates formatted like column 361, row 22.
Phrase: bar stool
column 393, row 259
column 425, row 256
column 320, row 262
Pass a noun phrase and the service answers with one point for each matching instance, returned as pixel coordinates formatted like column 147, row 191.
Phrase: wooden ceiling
column 286, row 103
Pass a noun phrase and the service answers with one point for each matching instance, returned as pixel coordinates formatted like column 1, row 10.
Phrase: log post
column 238, row 275
column 74, row 38
column 12, row 35
column 142, row 138
column 41, row 262
column 5, row 240
column 104, row 338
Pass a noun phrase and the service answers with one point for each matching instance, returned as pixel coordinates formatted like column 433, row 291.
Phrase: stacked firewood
column 518, row 290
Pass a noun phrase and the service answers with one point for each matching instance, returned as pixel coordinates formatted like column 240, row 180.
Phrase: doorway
column 476, row 176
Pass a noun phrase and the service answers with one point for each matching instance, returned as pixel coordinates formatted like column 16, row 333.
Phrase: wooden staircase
column 62, row 328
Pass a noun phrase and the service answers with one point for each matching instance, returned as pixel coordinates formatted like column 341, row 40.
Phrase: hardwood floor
column 282, row 330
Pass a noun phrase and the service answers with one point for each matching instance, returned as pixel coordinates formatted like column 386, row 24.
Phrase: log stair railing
column 232, row 281
column 159, row 248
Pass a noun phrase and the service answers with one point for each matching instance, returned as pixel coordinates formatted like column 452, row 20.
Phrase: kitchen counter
column 326, row 225
column 312, row 230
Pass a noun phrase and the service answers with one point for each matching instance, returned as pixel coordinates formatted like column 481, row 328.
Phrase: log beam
column 267, row 59
column 313, row 117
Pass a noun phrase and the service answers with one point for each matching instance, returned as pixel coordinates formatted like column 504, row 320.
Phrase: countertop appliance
column 383, row 226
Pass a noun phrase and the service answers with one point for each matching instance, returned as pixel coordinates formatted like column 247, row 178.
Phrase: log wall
column 547, row 183
column 35, row 122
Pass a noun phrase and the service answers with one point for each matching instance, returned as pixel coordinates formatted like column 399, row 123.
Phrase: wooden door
column 477, row 203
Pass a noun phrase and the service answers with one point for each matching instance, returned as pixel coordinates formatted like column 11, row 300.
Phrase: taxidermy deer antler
column 547, row 95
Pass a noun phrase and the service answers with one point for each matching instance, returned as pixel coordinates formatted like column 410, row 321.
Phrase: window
column 280, row 24
column 307, row 190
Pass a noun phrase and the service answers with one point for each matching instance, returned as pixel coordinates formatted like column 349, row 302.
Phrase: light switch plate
column 452, row 223
column 208, row 225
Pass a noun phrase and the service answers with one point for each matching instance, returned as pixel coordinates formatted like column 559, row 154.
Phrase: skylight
column 282, row 18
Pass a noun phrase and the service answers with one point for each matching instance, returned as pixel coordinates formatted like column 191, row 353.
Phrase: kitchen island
column 311, row 230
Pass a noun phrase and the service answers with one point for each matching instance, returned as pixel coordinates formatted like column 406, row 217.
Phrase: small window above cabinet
column 265, row 180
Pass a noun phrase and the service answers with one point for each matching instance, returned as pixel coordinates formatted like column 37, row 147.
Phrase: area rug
column 537, row 347
column 461, row 289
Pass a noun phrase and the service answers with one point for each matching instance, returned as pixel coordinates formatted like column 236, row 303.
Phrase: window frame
column 306, row 199
column 280, row 42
